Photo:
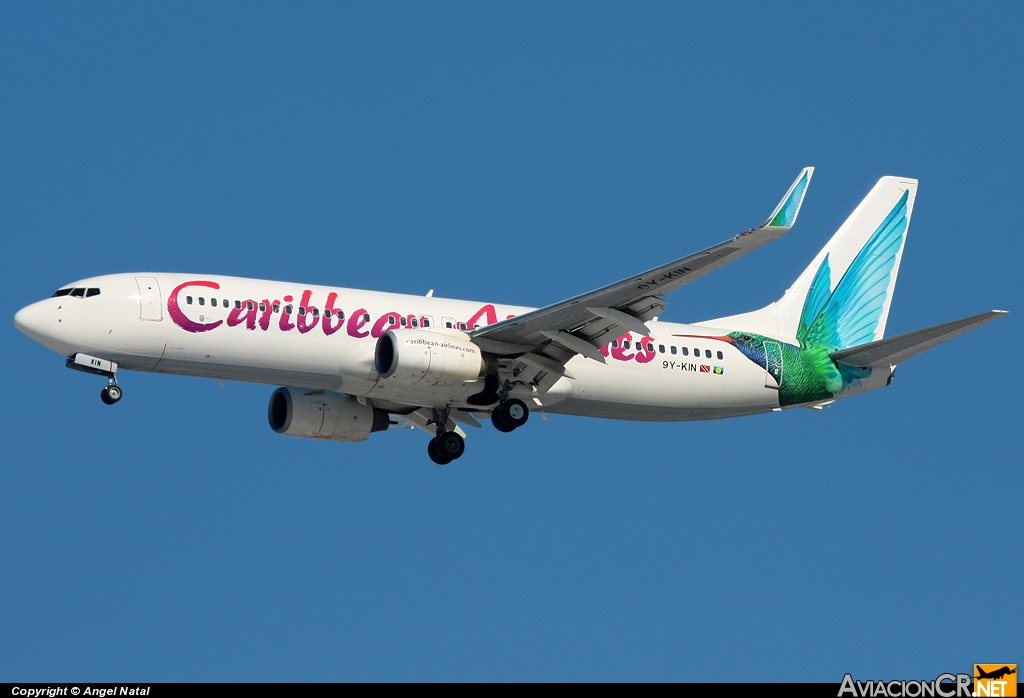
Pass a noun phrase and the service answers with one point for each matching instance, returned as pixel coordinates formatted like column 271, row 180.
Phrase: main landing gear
column 510, row 415
column 100, row 367
column 447, row 445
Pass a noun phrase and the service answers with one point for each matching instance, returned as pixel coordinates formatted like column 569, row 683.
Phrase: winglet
column 784, row 215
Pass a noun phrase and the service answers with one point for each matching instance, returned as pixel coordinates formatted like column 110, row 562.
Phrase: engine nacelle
column 323, row 414
column 428, row 358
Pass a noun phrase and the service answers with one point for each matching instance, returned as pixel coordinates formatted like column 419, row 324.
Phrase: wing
column 581, row 325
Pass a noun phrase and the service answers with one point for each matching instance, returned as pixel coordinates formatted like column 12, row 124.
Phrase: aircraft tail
column 842, row 298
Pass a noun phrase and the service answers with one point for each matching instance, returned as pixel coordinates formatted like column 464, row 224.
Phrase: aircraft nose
column 33, row 320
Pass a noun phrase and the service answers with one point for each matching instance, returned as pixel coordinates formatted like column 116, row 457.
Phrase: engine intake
column 428, row 358
column 316, row 414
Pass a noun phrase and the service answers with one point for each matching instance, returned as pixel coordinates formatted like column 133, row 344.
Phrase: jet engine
column 428, row 358
column 323, row 414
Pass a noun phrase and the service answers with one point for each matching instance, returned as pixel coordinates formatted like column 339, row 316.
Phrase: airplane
column 354, row 362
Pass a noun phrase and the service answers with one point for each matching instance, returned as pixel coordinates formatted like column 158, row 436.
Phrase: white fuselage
column 241, row 329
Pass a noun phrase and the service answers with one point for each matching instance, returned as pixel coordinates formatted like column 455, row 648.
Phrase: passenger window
column 707, row 353
column 276, row 307
column 316, row 312
column 61, row 292
column 288, row 309
column 625, row 344
column 414, row 322
column 78, row 292
column 238, row 305
column 225, row 302
column 302, row 310
column 720, row 357
column 89, row 293
column 202, row 301
column 188, row 299
column 696, row 352
column 213, row 302
column 650, row 346
column 263, row 307
column 686, row 352
column 392, row 320
column 448, row 325
column 366, row 317
column 673, row 350
column 661, row 348
column 327, row 312
column 615, row 344
column 426, row 322
column 402, row 321
column 248, row 304
column 462, row 325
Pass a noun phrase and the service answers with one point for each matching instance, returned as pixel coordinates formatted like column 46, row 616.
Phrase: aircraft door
column 773, row 365
column 150, row 304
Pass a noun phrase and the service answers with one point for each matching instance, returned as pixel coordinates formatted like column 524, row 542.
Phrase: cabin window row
column 421, row 321
column 685, row 351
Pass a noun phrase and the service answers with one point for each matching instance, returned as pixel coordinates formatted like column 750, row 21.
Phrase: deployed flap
column 597, row 317
column 889, row 352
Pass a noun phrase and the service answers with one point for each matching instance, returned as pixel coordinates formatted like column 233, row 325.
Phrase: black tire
column 110, row 394
column 498, row 421
column 514, row 413
column 450, row 445
column 436, row 455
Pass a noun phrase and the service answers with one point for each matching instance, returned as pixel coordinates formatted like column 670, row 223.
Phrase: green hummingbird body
column 807, row 374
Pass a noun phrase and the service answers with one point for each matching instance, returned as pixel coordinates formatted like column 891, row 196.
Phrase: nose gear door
column 773, row 365
column 150, row 303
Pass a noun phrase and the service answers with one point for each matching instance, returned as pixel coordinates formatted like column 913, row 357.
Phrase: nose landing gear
column 100, row 367
column 110, row 394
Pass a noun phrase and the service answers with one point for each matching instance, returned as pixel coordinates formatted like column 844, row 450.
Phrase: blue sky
column 515, row 153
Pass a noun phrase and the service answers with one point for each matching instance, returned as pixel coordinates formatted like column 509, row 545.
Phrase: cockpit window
column 90, row 292
column 61, row 292
column 78, row 293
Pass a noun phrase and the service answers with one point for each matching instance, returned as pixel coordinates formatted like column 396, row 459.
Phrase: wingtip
column 784, row 216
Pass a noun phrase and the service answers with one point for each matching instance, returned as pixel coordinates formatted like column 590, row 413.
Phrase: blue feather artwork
column 850, row 315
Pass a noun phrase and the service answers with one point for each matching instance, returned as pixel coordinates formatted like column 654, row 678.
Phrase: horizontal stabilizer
column 894, row 350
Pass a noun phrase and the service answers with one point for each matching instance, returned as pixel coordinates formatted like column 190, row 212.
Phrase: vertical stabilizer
column 842, row 298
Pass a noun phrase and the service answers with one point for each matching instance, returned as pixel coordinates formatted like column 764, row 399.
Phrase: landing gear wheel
column 498, row 421
column 450, row 445
column 435, row 455
column 110, row 394
column 514, row 413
